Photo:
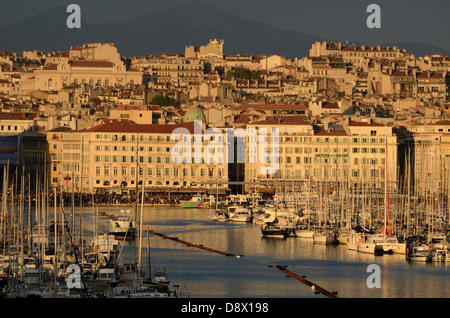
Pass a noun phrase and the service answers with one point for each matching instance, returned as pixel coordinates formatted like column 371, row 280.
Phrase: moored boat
column 239, row 214
column 325, row 238
column 123, row 226
column 194, row 202
column 420, row 253
column 220, row 216
column 274, row 229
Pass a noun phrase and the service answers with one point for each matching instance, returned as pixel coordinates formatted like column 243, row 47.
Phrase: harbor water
column 207, row 274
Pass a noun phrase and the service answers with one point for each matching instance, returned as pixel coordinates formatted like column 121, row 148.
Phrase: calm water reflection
column 210, row 275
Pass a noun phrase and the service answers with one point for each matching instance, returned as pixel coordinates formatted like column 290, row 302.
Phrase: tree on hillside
column 164, row 101
column 243, row 73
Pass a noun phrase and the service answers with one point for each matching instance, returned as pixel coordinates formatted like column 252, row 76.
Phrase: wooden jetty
column 305, row 281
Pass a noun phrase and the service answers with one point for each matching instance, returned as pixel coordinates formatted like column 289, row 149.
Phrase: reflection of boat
column 194, row 202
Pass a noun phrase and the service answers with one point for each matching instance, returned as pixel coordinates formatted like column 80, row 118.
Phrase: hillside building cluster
column 92, row 120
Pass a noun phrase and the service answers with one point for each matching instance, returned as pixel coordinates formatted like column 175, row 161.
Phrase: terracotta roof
column 330, row 105
column 270, row 106
column 60, row 129
column 50, row 67
column 334, row 132
column 127, row 126
column 442, row 122
column 284, row 120
column 433, row 75
column 399, row 73
column 17, row 116
column 241, row 119
column 91, row 63
column 362, row 124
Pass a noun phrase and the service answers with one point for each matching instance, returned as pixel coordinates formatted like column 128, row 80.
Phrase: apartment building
column 54, row 77
column 54, row 157
column 182, row 70
column 432, row 86
column 357, row 154
column 355, row 54
column 119, row 155
column 429, row 159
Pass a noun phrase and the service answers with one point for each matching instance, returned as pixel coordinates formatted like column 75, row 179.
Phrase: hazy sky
column 401, row 20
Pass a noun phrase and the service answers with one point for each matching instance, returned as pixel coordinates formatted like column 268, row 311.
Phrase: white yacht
column 419, row 253
column 239, row 214
column 123, row 226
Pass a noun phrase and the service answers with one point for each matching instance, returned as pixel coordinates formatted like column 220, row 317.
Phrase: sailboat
column 352, row 240
column 325, row 237
column 139, row 287
column 383, row 242
column 303, row 232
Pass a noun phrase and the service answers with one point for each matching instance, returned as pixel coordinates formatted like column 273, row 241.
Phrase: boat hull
column 324, row 239
column 274, row 232
column 191, row 204
column 368, row 248
column 241, row 219
column 305, row 234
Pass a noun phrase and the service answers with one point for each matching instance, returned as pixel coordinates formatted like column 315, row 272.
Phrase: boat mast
column 386, row 192
column 73, row 203
column 55, row 242
column 22, row 194
column 140, row 230
column 81, row 201
column 29, row 216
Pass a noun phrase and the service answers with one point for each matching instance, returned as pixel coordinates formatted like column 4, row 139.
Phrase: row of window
column 319, row 172
column 167, row 172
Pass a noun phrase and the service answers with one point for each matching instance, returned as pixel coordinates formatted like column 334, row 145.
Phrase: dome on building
column 194, row 113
